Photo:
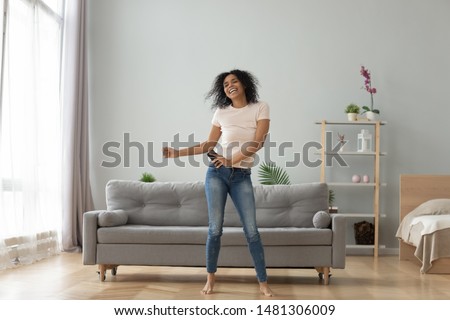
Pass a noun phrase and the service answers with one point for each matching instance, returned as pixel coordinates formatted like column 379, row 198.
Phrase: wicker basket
column 364, row 232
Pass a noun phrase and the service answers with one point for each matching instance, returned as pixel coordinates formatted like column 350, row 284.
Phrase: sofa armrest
column 338, row 225
column 90, row 226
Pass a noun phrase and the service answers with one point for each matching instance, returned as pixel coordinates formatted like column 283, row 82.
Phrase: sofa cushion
column 295, row 236
column 290, row 205
column 159, row 203
column 232, row 236
column 143, row 234
column 321, row 219
column 112, row 218
column 184, row 204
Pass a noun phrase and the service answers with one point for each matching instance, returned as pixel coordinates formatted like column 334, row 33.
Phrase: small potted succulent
column 352, row 111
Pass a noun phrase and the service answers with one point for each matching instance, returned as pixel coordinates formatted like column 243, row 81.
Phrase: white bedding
column 428, row 229
column 432, row 224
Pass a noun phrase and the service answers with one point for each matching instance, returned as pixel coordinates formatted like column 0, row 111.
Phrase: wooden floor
column 64, row 277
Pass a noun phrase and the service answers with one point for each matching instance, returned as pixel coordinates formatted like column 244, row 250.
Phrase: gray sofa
column 166, row 224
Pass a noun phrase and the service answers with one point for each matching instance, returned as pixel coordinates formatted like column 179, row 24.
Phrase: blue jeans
column 237, row 182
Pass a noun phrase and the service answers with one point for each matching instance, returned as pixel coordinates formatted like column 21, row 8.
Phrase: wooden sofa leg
column 102, row 270
column 324, row 273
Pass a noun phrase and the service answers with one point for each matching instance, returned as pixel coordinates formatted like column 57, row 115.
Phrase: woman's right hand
column 170, row 152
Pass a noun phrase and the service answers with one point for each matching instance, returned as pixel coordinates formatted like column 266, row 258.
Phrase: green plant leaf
column 331, row 197
column 147, row 177
column 376, row 111
column 352, row 108
column 270, row 174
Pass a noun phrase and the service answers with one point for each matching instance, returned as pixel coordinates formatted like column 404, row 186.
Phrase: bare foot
column 265, row 290
column 209, row 286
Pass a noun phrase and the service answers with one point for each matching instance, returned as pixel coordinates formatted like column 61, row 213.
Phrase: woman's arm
column 213, row 138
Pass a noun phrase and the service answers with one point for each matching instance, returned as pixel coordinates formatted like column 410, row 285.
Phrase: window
column 30, row 126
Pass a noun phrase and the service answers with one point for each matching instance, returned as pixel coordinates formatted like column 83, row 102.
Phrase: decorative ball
column 356, row 178
column 321, row 220
column 366, row 178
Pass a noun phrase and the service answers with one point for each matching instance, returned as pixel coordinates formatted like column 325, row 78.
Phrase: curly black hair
column 217, row 93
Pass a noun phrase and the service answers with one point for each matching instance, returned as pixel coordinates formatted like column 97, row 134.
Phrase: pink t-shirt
column 238, row 126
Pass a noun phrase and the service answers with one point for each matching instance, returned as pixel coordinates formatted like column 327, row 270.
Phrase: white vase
column 371, row 116
column 352, row 116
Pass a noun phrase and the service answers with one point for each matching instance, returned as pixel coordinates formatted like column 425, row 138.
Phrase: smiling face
column 233, row 87
column 236, row 88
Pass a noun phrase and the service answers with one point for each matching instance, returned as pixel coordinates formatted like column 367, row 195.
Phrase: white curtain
column 30, row 144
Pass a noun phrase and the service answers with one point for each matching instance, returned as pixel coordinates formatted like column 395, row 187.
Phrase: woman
column 242, row 122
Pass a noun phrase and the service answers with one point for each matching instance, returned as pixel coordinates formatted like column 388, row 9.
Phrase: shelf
column 354, row 184
column 362, row 249
column 373, row 187
column 358, row 215
column 363, row 246
column 355, row 123
column 352, row 153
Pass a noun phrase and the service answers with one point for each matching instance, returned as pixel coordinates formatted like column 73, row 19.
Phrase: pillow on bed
column 430, row 207
column 435, row 206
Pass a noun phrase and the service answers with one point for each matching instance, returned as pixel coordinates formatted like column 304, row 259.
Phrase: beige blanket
column 430, row 235
column 432, row 247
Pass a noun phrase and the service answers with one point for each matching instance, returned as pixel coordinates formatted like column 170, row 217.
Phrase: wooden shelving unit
column 374, row 186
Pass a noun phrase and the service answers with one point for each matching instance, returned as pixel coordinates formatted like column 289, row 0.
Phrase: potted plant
column 352, row 111
column 147, row 177
column 331, row 198
column 370, row 112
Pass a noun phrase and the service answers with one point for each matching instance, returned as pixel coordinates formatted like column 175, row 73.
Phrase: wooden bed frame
column 414, row 190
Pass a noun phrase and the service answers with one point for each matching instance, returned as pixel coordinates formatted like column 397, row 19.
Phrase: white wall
column 152, row 61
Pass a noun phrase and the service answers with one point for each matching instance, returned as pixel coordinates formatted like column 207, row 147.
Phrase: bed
column 424, row 230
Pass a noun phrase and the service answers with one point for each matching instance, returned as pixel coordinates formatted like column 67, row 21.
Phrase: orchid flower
column 368, row 86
